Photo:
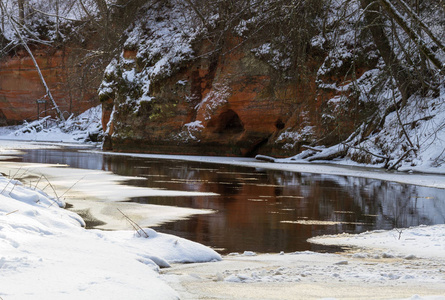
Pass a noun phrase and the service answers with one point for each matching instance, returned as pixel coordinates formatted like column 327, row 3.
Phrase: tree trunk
column 21, row 4
column 376, row 25
column 3, row 18
column 414, row 36
column 57, row 19
column 420, row 24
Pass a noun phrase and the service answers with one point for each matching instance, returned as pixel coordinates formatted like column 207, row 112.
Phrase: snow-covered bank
column 46, row 254
column 76, row 129
column 100, row 194
column 405, row 264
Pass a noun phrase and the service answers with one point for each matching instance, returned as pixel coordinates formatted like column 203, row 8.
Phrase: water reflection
column 265, row 210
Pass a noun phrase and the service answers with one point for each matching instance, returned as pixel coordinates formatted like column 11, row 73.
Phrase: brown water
column 266, row 210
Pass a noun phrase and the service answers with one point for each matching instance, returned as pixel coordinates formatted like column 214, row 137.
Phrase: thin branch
column 58, row 198
column 10, row 213
column 196, row 10
column 10, row 180
column 88, row 13
column 38, row 181
column 366, row 151
column 401, row 158
column 54, row 190
column 13, row 187
column 401, row 124
column 55, row 16
column 72, row 186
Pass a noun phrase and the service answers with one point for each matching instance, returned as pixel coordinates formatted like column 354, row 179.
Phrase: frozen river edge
column 381, row 266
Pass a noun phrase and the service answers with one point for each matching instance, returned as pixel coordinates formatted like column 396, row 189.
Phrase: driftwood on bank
column 265, row 158
column 341, row 151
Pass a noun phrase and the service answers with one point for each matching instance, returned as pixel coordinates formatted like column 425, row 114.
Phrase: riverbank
column 434, row 180
column 368, row 271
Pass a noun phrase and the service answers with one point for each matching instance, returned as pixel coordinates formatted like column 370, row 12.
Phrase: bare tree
column 423, row 47
column 376, row 23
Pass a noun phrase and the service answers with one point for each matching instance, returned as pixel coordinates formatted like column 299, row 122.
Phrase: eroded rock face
column 232, row 104
column 172, row 91
column 22, row 94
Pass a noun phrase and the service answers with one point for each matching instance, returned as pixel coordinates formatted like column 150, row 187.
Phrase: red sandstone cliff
column 21, row 88
column 175, row 90
column 229, row 104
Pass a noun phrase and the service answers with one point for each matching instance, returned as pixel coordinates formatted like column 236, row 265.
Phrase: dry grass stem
column 136, row 227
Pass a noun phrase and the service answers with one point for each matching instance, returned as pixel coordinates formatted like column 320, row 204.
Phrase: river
column 264, row 210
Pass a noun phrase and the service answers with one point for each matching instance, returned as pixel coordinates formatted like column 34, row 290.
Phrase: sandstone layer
column 22, row 94
column 233, row 103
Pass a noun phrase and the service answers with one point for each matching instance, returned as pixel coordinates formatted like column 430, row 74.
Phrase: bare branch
column 196, row 10
column 55, row 16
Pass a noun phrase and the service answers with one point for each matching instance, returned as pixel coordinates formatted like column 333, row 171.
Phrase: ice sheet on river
column 100, row 194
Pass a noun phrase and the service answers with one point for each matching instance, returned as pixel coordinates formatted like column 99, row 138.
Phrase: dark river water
column 265, row 210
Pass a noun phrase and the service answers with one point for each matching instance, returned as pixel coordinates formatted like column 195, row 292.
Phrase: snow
column 190, row 131
column 276, row 58
column 47, row 254
column 216, row 98
column 290, row 138
column 75, row 130
column 421, row 241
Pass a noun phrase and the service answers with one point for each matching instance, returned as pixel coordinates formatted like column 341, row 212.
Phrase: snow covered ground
column 46, row 254
column 363, row 274
column 77, row 129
